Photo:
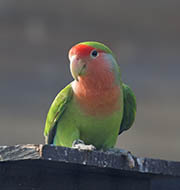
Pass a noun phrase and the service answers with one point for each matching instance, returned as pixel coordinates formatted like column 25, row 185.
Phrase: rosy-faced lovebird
column 94, row 108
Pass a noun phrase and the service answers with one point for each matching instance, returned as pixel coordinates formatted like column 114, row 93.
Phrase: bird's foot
column 124, row 153
column 80, row 145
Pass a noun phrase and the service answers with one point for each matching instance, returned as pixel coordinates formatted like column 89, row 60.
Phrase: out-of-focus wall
column 35, row 37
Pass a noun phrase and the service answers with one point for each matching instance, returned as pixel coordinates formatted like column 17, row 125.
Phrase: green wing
column 55, row 112
column 129, row 108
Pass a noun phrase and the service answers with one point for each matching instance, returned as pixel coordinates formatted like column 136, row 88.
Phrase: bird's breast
column 98, row 102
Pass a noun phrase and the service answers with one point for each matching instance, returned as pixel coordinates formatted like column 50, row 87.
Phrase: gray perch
column 38, row 167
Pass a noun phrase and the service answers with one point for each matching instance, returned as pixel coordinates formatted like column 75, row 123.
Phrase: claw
column 76, row 142
column 79, row 144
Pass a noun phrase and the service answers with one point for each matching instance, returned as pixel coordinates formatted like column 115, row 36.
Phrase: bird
column 96, row 107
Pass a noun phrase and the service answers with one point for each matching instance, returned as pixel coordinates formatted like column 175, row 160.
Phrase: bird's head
column 88, row 58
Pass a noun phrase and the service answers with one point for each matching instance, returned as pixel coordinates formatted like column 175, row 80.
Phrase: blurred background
column 35, row 37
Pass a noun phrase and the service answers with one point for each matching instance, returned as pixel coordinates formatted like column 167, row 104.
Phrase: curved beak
column 77, row 67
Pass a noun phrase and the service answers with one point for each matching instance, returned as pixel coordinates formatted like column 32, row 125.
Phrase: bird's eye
column 94, row 54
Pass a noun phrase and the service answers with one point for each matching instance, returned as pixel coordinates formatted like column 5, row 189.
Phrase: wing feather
column 56, row 110
column 129, row 112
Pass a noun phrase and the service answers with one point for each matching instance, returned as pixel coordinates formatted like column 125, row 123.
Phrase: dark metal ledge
column 50, row 167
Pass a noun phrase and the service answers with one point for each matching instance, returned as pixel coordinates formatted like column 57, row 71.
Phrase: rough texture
column 110, row 160
column 96, row 158
column 20, row 152
column 51, row 167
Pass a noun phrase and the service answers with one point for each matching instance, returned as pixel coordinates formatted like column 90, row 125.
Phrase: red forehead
column 82, row 50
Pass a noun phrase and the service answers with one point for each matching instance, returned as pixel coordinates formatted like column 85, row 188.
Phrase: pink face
column 85, row 60
column 92, row 69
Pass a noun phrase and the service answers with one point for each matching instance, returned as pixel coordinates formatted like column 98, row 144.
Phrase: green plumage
column 129, row 111
column 66, row 123
column 55, row 113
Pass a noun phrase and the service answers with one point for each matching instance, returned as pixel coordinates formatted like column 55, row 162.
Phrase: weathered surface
column 51, row 167
column 19, row 152
column 96, row 158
